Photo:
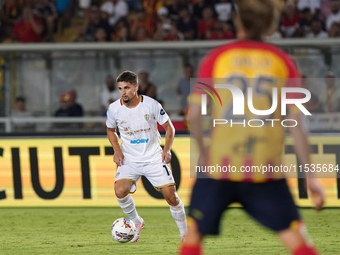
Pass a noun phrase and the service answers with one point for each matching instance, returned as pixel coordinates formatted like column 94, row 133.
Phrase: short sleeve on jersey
column 160, row 115
column 110, row 120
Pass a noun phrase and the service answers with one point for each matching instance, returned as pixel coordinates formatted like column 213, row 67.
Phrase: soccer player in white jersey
column 140, row 152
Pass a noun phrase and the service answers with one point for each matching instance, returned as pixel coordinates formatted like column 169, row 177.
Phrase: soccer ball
column 123, row 230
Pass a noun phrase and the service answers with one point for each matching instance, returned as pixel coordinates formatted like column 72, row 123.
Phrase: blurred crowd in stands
column 158, row 20
column 153, row 20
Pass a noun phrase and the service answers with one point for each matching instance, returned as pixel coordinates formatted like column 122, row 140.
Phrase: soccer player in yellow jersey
column 248, row 63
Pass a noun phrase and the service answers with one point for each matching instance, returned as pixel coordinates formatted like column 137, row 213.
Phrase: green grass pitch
column 87, row 231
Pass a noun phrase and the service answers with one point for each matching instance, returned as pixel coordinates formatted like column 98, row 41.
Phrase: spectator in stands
column 75, row 108
column 145, row 86
column 174, row 7
column 123, row 34
column 313, row 5
column 186, row 24
column 334, row 17
column 115, row 10
column 305, row 21
column 142, row 35
column 198, row 8
column 122, row 30
column 65, row 9
column 29, row 29
column 183, row 88
column 334, row 31
column 110, row 92
column 164, row 27
column 84, row 5
column 330, row 98
column 167, row 32
column 10, row 15
column 172, row 34
column 316, row 30
column 151, row 7
column 207, row 23
column 47, row 13
column 19, row 112
column 101, row 35
column 162, row 15
column 290, row 22
column 141, row 20
column 81, row 35
column 225, row 10
column 222, row 31
column 325, row 10
column 64, row 109
column 94, row 22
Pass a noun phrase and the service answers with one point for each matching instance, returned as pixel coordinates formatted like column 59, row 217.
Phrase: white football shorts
column 158, row 173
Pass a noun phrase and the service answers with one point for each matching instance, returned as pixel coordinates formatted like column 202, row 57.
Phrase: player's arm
column 196, row 125
column 169, row 138
column 302, row 151
column 118, row 156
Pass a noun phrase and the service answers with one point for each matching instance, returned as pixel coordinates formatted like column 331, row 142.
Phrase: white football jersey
column 140, row 139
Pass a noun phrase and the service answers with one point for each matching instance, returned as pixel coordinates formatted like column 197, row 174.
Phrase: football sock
column 128, row 206
column 178, row 214
column 190, row 250
column 305, row 250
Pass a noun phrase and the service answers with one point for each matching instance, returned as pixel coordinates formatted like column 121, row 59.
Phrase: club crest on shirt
column 147, row 117
column 123, row 122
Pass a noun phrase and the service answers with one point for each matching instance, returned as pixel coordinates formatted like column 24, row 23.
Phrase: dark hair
column 128, row 76
column 305, row 10
column 20, row 99
column 317, row 20
column 182, row 8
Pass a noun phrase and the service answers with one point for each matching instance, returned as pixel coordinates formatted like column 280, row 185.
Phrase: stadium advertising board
column 80, row 172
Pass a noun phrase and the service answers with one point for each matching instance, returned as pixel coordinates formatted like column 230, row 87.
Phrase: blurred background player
column 21, row 111
column 330, row 98
column 145, row 86
column 109, row 93
column 265, row 197
column 140, row 152
column 183, row 88
column 75, row 108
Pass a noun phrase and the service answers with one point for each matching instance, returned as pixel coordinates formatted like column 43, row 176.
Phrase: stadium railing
column 316, row 123
column 41, row 72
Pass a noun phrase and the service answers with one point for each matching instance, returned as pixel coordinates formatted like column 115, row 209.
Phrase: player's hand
column 316, row 192
column 166, row 157
column 118, row 158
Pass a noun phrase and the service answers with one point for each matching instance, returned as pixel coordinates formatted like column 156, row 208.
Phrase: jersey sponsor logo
column 138, row 141
column 131, row 132
column 141, row 130
column 162, row 112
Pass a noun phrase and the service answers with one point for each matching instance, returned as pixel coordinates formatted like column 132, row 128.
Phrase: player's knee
column 121, row 191
column 172, row 200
